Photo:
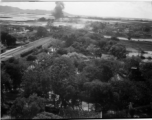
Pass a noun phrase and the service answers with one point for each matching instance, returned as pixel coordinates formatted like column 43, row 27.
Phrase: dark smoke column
column 58, row 10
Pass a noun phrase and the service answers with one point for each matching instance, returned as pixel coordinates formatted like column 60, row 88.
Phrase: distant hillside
column 9, row 9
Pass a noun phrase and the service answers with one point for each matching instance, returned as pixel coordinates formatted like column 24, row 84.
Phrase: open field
column 145, row 46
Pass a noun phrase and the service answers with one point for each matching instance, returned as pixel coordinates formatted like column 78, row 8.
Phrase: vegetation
column 77, row 71
column 45, row 115
column 31, row 58
column 27, row 108
column 7, row 39
column 41, row 31
column 42, row 19
column 129, row 29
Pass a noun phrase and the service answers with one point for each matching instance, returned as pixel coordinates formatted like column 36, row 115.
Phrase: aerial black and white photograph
column 75, row 60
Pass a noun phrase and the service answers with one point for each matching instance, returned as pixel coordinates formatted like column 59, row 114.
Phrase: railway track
column 25, row 48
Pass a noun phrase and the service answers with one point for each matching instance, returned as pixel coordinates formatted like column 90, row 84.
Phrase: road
column 21, row 49
column 132, row 39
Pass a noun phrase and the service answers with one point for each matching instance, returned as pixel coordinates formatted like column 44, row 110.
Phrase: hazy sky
column 103, row 9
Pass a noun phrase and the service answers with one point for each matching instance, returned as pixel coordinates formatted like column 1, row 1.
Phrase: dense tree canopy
column 5, row 81
column 99, row 92
column 41, row 32
column 62, row 75
column 99, row 70
column 7, row 39
column 27, row 108
column 79, row 66
column 36, row 81
column 15, row 71
column 118, row 51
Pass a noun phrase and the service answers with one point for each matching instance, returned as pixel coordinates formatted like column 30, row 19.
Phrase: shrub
column 119, row 114
column 46, row 115
column 68, row 113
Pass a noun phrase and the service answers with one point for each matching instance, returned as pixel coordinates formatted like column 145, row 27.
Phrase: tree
column 96, row 36
column 70, row 49
column 101, row 44
column 76, row 58
column 118, row 51
column 41, row 32
column 132, row 69
column 72, row 95
column 81, row 65
column 27, row 108
column 146, row 72
column 132, row 62
column 107, row 73
column 62, row 75
column 42, row 19
column 5, row 81
column 99, row 93
column 70, row 40
column 36, row 81
column 144, row 93
column 98, row 70
column 91, row 48
column 57, row 44
column 124, row 92
column 147, row 29
column 109, row 45
column 92, row 72
column 113, row 65
column 7, row 39
column 15, row 71
column 102, row 47
column 62, row 51
column 17, row 108
column 30, row 28
column 96, row 26
column 13, row 60
column 146, row 69
column 44, row 61
column 58, row 13
column 129, row 35
column 5, row 87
